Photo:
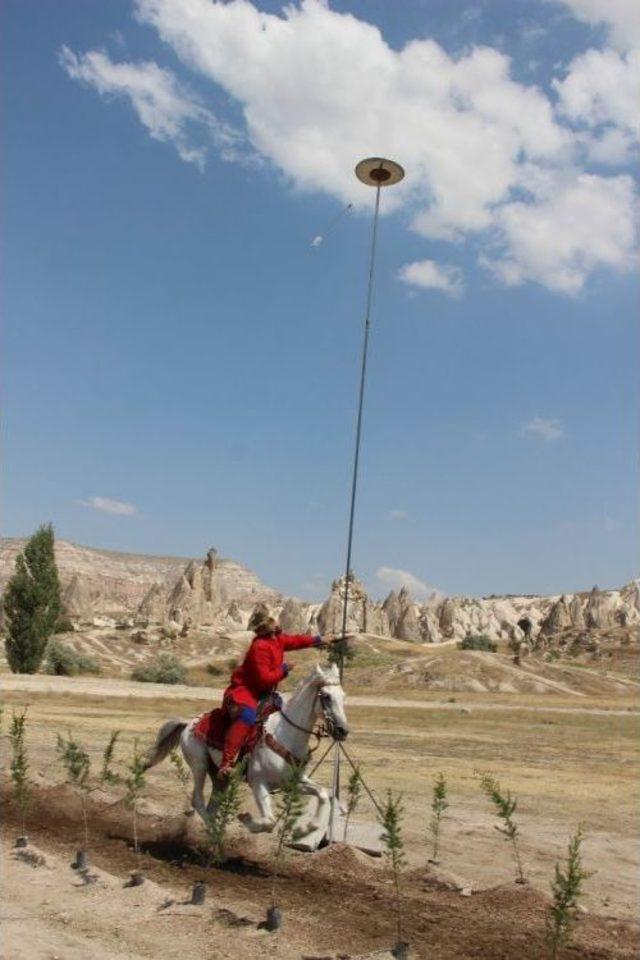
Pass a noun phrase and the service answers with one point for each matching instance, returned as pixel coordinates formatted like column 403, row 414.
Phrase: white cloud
column 621, row 17
column 319, row 89
column 431, row 275
column 398, row 515
column 395, row 579
column 602, row 86
column 168, row 111
column 547, row 429
column 106, row 505
column 576, row 224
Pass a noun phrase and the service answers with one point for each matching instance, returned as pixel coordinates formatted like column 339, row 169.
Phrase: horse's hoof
column 258, row 827
column 306, row 828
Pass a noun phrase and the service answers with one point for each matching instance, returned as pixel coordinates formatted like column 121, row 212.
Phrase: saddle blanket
column 211, row 728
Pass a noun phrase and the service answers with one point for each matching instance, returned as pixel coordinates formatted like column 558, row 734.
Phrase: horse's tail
column 167, row 740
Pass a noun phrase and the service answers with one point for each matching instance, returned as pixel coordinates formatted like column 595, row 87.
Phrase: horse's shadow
column 179, row 853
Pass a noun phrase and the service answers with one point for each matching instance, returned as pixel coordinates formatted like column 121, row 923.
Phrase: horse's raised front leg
column 266, row 822
column 309, row 788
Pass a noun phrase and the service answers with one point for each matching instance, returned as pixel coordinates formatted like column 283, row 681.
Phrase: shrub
column 64, row 661
column 478, row 641
column 64, row 625
column 32, row 602
column 166, row 669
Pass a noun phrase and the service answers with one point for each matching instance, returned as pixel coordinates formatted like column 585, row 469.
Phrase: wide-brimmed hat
column 263, row 625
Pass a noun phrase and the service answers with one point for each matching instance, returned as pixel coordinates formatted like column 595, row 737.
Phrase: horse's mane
column 312, row 677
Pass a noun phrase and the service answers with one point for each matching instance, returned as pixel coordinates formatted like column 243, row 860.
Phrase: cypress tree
column 32, row 602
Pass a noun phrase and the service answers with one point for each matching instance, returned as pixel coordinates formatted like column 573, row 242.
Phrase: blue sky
column 181, row 361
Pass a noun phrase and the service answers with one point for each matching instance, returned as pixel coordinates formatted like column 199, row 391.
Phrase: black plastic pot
column 401, row 950
column 81, row 861
column 198, row 893
column 274, row 919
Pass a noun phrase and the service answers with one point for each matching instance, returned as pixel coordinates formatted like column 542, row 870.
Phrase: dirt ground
column 566, row 762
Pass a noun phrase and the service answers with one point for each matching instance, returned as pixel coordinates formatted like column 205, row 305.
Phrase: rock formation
column 294, row 616
column 557, row 620
column 80, row 599
column 598, row 613
column 363, row 616
column 576, row 612
column 154, row 604
column 197, row 596
column 428, row 623
column 406, row 625
column 446, row 618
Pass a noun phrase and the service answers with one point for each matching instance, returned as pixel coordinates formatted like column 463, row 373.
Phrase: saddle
column 212, row 726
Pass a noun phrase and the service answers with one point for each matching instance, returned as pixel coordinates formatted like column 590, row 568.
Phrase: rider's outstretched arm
column 299, row 641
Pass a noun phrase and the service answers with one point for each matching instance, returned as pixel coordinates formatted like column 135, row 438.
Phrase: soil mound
column 340, row 862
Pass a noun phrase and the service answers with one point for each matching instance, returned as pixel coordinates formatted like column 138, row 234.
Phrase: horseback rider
column 255, row 680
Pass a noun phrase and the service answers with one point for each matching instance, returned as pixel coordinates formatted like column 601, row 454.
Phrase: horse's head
column 330, row 701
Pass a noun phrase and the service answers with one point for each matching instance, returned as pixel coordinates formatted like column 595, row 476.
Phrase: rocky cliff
column 99, row 583
column 217, row 594
column 525, row 623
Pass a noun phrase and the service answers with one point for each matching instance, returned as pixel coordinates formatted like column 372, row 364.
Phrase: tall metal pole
column 374, row 172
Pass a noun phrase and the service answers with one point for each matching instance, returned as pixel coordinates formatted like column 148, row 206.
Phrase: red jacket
column 263, row 667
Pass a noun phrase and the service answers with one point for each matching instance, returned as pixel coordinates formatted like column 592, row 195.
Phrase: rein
column 319, row 733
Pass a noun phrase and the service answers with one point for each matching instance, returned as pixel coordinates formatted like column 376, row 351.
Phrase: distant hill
column 118, row 582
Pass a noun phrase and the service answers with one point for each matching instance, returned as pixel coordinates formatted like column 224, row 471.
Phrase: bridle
column 320, row 732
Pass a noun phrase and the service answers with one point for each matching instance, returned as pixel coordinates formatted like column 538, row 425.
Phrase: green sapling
column 107, row 773
column 77, row 763
column 179, row 767
column 291, row 806
column 566, row 888
column 227, row 806
column 135, row 782
column 20, row 764
column 390, row 817
column 354, row 793
column 505, row 806
column 439, row 804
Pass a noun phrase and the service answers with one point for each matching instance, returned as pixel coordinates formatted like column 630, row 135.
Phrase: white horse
column 287, row 732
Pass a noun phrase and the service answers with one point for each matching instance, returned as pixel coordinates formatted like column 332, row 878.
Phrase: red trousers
column 242, row 720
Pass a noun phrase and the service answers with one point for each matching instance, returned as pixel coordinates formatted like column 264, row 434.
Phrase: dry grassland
column 566, row 766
